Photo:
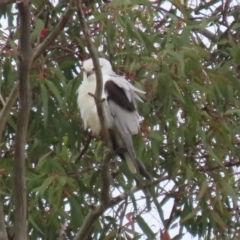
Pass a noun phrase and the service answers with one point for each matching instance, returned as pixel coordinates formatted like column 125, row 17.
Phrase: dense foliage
column 186, row 56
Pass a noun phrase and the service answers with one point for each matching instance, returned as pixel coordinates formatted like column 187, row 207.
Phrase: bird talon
column 120, row 150
column 91, row 94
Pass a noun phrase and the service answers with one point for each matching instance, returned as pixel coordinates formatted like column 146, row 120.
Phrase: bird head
column 88, row 66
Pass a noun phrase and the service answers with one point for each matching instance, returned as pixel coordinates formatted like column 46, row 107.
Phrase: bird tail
column 142, row 170
column 131, row 158
column 135, row 165
column 130, row 163
column 128, row 154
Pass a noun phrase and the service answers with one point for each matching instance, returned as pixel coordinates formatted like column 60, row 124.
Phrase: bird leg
column 120, row 150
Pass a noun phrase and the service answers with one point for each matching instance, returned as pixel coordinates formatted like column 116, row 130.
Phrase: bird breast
column 87, row 106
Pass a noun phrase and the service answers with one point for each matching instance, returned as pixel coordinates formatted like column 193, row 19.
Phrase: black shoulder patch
column 117, row 95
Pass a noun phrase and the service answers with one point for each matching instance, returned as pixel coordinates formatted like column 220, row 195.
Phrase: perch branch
column 105, row 199
column 98, row 100
column 94, row 54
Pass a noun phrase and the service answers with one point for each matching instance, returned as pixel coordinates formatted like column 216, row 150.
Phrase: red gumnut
column 43, row 32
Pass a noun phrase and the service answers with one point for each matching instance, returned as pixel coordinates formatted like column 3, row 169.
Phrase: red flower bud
column 43, row 32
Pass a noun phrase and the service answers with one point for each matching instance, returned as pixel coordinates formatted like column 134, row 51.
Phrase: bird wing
column 121, row 97
column 128, row 88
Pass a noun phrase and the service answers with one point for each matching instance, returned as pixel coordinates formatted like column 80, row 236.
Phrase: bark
column 19, row 192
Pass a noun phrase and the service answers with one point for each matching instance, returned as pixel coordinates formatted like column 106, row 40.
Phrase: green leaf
column 31, row 220
column 228, row 189
column 156, row 135
column 44, row 96
column 60, row 76
column 98, row 17
column 55, row 91
column 12, row 123
column 145, row 228
column 218, row 219
column 190, row 215
column 44, row 185
column 232, row 111
column 112, row 235
column 203, row 190
column 43, row 159
column 77, row 214
column 39, row 24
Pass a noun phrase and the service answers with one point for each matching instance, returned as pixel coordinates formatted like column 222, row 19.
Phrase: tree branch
column 98, row 210
column 19, row 192
column 92, row 216
column 55, row 32
column 213, row 168
column 85, row 148
column 94, row 54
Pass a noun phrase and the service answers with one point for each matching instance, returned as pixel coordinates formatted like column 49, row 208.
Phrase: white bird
column 119, row 109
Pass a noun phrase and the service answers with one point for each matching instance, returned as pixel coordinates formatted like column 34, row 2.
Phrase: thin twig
column 62, row 231
column 134, row 189
column 213, row 168
column 19, row 192
column 7, row 108
column 85, row 148
column 123, row 213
